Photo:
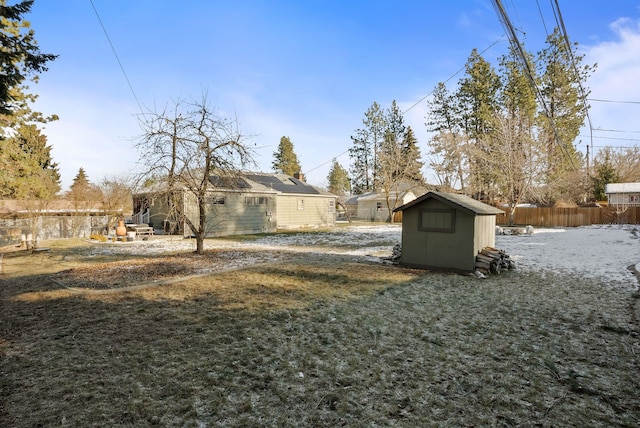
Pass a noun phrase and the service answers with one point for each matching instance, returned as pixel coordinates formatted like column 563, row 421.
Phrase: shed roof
column 462, row 201
column 622, row 188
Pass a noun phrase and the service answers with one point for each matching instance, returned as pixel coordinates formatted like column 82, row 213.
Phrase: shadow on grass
column 318, row 342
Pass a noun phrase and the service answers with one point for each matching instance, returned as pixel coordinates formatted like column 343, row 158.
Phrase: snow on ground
column 603, row 252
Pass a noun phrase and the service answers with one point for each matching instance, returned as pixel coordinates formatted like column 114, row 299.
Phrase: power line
column 418, row 102
column 544, row 24
column 455, row 74
column 613, row 101
column 616, row 130
column 323, row 164
column 513, row 39
column 104, row 29
column 560, row 21
column 613, row 138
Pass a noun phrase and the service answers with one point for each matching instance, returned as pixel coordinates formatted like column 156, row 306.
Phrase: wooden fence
column 572, row 217
column 50, row 227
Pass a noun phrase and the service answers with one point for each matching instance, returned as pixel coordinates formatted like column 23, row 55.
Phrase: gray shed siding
column 485, row 233
column 437, row 250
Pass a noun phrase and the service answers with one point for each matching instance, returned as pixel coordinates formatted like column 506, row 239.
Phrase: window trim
column 425, row 228
column 217, row 200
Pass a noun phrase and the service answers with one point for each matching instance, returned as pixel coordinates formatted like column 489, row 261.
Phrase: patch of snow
column 603, row 252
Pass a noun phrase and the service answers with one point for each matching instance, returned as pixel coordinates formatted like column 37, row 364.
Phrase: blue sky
column 303, row 69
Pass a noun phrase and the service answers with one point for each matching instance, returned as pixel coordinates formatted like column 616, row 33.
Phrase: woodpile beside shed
column 492, row 260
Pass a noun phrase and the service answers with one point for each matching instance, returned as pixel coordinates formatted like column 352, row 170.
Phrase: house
column 53, row 219
column 445, row 231
column 298, row 204
column 245, row 204
column 623, row 194
column 372, row 206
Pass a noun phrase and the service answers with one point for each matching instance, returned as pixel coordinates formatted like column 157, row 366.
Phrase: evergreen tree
column 477, row 99
column 564, row 109
column 517, row 153
column 362, row 160
column 82, row 190
column 20, row 55
column 391, row 149
column 411, row 155
column 605, row 173
column 285, row 159
column 367, row 142
column 338, row 178
column 26, row 168
column 447, row 145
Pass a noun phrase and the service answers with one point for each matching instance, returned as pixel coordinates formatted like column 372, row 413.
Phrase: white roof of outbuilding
column 622, row 188
column 466, row 203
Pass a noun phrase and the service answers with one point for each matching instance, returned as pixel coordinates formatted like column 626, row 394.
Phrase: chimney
column 298, row 176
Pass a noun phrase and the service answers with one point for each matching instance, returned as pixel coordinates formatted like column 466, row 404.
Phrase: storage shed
column 445, row 231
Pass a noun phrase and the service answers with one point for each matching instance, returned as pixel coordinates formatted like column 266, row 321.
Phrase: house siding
column 631, row 199
column 296, row 211
column 234, row 217
column 368, row 210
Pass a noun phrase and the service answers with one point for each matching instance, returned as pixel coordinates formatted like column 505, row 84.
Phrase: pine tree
column 367, row 143
column 285, row 159
column 338, row 178
column 27, row 170
column 20, row 55
column 478, row 104
column 411, row 154
column 605, row 173
column 362, row 161
column 447, row 145
column 82, row 190
column 564, row 109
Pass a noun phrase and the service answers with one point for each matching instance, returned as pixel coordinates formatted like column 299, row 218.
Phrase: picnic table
column 140, row 229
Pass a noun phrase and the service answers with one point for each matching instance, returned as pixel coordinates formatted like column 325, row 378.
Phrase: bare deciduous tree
column 514, row 157
column 183, row 147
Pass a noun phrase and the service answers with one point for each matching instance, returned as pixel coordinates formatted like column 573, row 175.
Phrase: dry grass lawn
column 307, row 340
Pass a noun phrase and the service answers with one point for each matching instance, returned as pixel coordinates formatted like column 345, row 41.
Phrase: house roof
column 254, row 182
column 58, row 206
column 380, row 196
column 285, row 184
column 622, row 188
column 462, row 201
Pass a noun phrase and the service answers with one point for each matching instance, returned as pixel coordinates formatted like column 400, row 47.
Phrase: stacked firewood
column 492, row 260
column 396, row 253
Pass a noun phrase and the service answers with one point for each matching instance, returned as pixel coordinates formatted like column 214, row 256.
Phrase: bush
column 98, row 237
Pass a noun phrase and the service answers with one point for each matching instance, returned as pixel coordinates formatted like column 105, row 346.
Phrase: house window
column 378, row 206
column 438, row 221
column 300, row 204
column 634, row 199
column 217, row 200
column 255, row 200
column 332, row 205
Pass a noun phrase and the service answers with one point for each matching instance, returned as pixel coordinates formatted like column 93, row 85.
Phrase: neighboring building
column 298, row 204
column 249, row 203
column 623, row 194
column 52, row 219
column 445, row 231
column 372, row 206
